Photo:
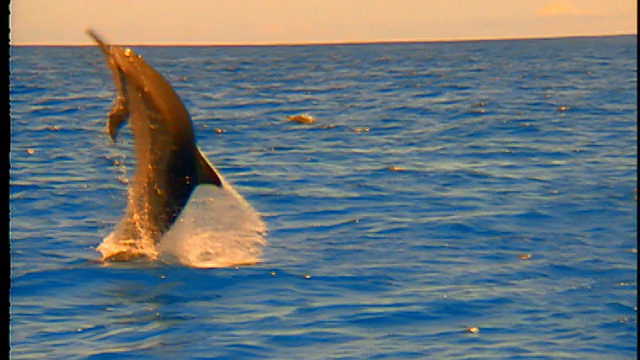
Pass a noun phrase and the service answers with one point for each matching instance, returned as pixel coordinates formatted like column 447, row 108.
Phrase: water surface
column 395, row 221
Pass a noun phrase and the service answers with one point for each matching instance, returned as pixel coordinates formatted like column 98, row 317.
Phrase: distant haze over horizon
column 320, row 43
column 256, row 22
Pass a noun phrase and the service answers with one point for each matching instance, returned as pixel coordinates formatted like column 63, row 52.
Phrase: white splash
column 217, row 228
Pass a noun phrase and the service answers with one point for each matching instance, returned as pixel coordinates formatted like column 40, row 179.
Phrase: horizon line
column 319, row 43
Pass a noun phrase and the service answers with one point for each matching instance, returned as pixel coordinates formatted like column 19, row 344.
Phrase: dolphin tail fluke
column 207, row 174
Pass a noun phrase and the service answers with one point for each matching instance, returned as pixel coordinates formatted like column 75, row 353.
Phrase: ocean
column 462, row 200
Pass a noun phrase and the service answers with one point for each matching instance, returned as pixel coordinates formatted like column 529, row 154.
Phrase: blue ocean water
column 443, row 186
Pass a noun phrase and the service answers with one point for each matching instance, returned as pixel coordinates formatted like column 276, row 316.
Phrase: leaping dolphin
column 169, row 164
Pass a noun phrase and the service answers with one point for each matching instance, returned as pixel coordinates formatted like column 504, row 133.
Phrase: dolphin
column 169, row 164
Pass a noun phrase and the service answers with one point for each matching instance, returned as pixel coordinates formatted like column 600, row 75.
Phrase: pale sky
column 313, row 21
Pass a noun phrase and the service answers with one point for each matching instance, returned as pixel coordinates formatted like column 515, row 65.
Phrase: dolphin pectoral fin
column 207, row 174
column 117, row 116
column 120, row 111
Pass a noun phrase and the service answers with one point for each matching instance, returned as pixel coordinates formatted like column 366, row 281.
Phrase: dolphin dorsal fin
column 207, row 173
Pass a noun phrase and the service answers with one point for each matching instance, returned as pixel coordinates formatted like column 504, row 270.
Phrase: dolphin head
column 133, row 76
column 124, row 60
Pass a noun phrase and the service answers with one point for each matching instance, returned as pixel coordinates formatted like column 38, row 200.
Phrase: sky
column 164, row 22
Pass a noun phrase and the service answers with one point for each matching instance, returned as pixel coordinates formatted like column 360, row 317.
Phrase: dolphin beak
column 106, row 49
